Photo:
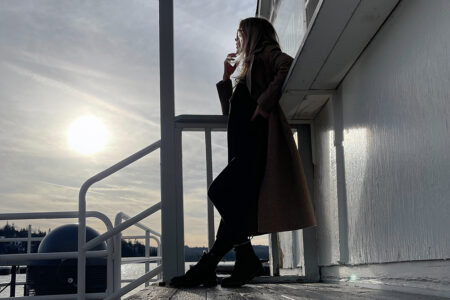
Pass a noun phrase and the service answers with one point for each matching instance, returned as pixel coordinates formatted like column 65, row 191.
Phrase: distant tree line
column 10, row 231
column 129, row 249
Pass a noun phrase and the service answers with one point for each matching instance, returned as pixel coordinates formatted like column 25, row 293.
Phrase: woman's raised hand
column 229, row 65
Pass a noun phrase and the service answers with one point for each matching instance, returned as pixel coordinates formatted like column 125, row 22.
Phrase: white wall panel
column 395, row 115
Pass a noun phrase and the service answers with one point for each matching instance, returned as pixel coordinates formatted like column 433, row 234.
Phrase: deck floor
column 297, row 291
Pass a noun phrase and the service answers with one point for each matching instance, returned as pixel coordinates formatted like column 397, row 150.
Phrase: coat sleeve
column 280, row 63
column 225, row 90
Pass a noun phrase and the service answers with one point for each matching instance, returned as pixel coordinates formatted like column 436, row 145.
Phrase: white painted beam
column 322, row 35
column 172, row 235
column 360, row 29
column 338, row 34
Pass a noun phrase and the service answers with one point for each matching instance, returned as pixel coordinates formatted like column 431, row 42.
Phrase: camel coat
column 284, row 201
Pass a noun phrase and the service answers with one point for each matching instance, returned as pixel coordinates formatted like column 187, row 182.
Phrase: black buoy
column 59, row 276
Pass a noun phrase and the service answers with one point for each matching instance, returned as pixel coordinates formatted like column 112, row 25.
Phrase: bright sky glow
column 87, row 135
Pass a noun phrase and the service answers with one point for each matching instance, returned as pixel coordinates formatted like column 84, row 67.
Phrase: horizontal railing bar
column 122, row 226
column 139, row 224
column 25, row 258
column 201, row 121
column 131, row 237
column 17, row 283
column 56, row 215
column 131, row 286
column 200, row 128
column 62, row 297
column 120, row 165
column 219, row 122
column 132, row 260
column 24, row 239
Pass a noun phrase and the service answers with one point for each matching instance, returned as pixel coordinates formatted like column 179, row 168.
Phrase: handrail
column 133, row 260
column 57, row 215
column 140, row 225
column 24, row 258
column 156, row 236
column 122, row 226
column 81, row 266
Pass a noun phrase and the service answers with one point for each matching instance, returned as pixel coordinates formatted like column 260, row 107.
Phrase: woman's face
column 239, row 40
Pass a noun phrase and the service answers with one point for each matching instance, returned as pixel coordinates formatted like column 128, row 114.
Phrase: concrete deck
column 297, row 291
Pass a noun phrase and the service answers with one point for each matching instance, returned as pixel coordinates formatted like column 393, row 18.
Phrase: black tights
column 226, row 239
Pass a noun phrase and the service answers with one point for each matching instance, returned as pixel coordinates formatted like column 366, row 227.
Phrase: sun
column 87, row 135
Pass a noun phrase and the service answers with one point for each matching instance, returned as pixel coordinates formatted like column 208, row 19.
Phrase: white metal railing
column 207, row 124
column 111, row 236
column 146, row 259
column 25, row 258
column 114, row 233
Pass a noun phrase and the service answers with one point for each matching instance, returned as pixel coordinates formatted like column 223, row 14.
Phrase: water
column 129, row 271
column 6, row 279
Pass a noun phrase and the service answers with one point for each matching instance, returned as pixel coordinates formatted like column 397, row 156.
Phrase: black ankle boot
column 246, row 267
column 204, row 272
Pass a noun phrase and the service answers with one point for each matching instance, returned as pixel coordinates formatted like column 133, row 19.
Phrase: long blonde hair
column 256, row 32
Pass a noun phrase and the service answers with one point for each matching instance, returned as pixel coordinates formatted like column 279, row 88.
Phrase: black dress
column 235, row 190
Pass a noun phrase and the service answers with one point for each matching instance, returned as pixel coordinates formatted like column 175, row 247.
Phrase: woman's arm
column 280, row 63
column 225, row 90
column 225, row 87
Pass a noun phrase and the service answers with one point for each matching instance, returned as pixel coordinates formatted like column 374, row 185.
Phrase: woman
column 263, row 188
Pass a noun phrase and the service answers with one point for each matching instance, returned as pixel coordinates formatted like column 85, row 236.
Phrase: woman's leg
column 226, row 239
column 204, row 272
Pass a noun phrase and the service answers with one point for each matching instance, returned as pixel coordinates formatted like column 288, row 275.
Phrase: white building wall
column 393, row 113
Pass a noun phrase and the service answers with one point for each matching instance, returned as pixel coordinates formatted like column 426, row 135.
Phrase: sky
column 62, row 60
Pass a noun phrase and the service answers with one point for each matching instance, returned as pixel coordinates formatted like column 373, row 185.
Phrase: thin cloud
column 83, row 96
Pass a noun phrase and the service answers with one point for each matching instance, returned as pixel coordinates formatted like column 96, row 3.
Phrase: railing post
column 110, row 267
column 12, row 287
column 81, row 265
column 172, row 235
column 117, row 255
column 159, row 253
column 29, row 239
column 209, row 176
column 147, row 252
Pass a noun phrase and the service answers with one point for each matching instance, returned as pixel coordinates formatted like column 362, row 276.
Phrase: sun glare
column 87, row 135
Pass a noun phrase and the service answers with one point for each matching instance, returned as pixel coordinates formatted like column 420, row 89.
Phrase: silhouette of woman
column 235, row 190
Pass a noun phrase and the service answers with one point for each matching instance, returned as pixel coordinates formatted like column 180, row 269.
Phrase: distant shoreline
column 129, row 249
